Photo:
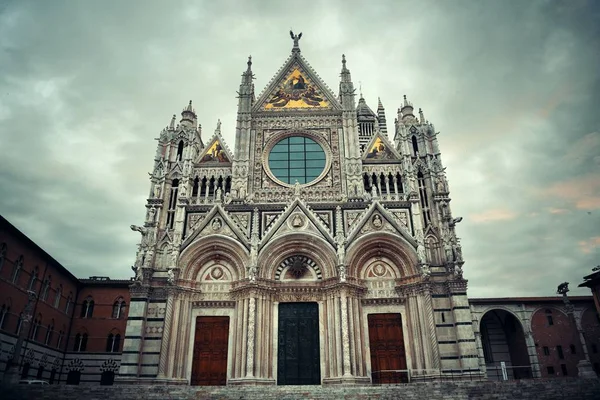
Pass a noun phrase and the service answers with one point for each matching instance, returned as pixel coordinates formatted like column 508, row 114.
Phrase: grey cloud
column 86, row 86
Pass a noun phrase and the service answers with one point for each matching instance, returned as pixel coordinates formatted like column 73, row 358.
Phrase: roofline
column 5, row 223
column 529, row 299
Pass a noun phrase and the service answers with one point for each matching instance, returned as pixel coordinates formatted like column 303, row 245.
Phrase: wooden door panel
column 387, row 348
column 209, row 366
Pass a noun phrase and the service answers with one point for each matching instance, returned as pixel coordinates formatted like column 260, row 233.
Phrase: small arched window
column 118, row 308
column 58, row 296
column 180, row 150
column 19, row 324
column 80, row 342
column 32, row 279
column 61, row 334
column 549, row 318
column 17, row 270
column 46, row 288
column 69, row 301
column 4, row 313
column 2, row 255
column 415, row 145
column 49, row 333
column 113, row 342
column 36, row 327
column 87, row 308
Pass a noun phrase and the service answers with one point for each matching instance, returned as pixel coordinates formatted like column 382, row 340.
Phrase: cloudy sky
column 513, row 87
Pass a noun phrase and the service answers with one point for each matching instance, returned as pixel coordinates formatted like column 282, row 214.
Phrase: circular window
column 297, row 159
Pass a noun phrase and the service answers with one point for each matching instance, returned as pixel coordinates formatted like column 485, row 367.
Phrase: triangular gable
column 296, row 87
column 217, row 222
column 380, row 150
column 216, row 153
column 376, row 217
column 301, row 217
column 176, row 171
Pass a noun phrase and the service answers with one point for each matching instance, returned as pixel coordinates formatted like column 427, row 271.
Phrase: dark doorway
column 298, row 358
column 107, row 378
column 52, row 376
column 25, row 371
column 503, row 340
column 388, row 358
column 40, row 372
column 209, row 366
column 73, row 377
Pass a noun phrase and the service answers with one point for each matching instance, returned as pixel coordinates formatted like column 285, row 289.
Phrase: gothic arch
column 200, row 252
column 381, row 244
column 282, row 247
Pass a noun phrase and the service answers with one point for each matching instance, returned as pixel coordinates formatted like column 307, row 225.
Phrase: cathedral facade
column 321, row 250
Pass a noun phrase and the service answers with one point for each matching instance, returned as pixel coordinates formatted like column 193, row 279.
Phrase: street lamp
column 584, row 366
column 12, row 374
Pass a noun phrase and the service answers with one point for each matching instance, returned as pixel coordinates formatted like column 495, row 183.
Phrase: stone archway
column 503, row 341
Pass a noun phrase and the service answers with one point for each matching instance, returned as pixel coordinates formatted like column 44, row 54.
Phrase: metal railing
column 509, row 373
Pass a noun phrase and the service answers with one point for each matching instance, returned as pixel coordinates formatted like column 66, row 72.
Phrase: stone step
column 539, row 389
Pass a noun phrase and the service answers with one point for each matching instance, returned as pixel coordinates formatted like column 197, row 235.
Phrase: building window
column 415, row 145
column 36, row 327
column 17, row 270
column 172, row 204
column 563, row 368
column 80, row 342
column 180, row 150
column 87, row 308
column 424, row 199
column 60, row 337
column 40, row 372
column 49, row 333
column 19, row 324
column 69, row 301
column 4, row 313
column 52, row 376
column 549, row 317
column 550, row 370
column 572, row 348
column 73, row 377
column 118, row 308
column 112, row 343
column 297, row 159
column 32, row 279
column 594, row 348
column 2, row 255
column 560, row 352
column 546, row 351
column 46, row 288
column 58, row 296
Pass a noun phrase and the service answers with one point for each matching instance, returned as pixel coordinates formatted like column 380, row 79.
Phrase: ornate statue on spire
column 295, row 38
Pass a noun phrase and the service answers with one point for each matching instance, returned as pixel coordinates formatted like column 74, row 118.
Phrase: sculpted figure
column 342, row 272
column 170, row 276
column 151, row 214
column 138, row 273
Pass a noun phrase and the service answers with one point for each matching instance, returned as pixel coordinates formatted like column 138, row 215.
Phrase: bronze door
column 209, row 366
column 387, row 348
column 298, row 358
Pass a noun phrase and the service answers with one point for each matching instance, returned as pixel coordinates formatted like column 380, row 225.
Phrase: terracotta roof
column 549, row 299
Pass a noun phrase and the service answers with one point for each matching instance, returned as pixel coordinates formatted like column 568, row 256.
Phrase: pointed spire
column 248, row 76
column 345, row 71
column 218, row 129
column 172, row 124
column 407, row 109
column 421, row 116
column 381, row 117
column 188, row 116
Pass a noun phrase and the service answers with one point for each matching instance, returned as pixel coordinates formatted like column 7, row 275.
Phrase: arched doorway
column 503, row 341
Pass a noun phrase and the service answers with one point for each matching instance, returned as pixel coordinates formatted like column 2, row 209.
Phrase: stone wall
column 540, row 389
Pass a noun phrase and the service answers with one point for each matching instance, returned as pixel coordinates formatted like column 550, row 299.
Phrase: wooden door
column 387, row 348
column 298, row 358
column 209, row 366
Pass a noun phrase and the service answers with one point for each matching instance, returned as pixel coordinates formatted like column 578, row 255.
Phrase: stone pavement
column 540, row 389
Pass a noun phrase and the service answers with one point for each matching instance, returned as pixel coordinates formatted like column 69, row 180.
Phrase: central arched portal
column 298, row 358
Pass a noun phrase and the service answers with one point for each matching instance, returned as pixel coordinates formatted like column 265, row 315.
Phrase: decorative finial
column 296, row 39
column 360, row 88
column 344, row 59
column 172, row 124
column 218, row 130
column 249, row 61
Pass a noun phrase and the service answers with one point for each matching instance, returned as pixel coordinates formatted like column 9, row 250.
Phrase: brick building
column 77, row 326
